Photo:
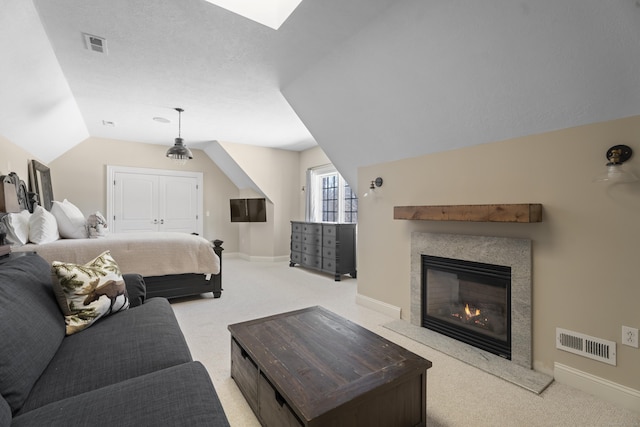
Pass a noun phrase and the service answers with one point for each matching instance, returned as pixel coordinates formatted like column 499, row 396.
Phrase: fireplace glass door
column 468, row 301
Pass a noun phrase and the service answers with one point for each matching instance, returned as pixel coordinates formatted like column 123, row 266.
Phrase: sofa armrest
column 136, row 289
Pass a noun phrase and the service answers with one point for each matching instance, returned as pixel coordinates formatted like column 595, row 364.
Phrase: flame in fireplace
column 467, row 311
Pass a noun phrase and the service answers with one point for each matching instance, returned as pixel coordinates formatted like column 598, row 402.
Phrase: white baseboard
column 262, row 258
column 618, row 394
column 379, row 306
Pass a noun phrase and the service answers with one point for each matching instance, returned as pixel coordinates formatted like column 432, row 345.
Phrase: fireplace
column 509, row 254
column 468, row 301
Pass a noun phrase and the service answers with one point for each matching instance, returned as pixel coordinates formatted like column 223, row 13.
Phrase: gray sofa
column 132, row 368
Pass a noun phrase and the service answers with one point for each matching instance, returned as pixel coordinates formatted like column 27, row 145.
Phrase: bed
column 172, row 264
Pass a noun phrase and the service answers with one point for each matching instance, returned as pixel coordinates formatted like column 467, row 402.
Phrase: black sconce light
column 376, row 183
column 617, row 155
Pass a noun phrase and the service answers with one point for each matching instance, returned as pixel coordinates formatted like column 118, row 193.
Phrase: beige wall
column 586, row 275
column 14, row 159
column 79, row 175
column 276, row 174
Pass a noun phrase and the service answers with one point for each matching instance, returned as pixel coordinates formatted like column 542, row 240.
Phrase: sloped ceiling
column 223, row 69
column 368, row 80
column 430, row 76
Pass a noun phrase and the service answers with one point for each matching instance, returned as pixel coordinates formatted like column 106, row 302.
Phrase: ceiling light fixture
column 617, row 155
column 179, row 153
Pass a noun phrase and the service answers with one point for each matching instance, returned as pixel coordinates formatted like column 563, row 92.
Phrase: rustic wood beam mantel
column 523, row 213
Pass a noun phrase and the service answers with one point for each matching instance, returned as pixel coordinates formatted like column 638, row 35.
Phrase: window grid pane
column 330, row 198
column 350, row 205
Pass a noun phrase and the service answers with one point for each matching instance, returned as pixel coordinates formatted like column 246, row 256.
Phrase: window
column 329, row 197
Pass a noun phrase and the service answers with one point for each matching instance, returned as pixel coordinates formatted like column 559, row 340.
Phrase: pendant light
column 179, row 153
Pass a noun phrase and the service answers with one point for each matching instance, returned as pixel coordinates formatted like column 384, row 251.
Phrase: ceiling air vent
column 95, row 43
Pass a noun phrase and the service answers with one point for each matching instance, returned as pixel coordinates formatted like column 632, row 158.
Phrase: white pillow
column 17, row 227
column 71, row 222
column 43, row 227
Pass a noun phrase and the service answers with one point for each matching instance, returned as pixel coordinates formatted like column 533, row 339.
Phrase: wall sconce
column 372, row 188
column 617, row 155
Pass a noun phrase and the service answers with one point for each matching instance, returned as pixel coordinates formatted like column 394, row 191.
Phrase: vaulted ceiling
column 224, row 70
column 368, row 80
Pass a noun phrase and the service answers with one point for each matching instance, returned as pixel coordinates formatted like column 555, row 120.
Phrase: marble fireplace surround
column 515, row 253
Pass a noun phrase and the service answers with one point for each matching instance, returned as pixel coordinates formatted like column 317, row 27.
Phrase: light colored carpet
column 457, row 394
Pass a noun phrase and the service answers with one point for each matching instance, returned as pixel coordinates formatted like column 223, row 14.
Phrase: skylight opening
column 271, row 13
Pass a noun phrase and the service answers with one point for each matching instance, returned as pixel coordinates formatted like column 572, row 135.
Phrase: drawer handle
column 279, row 399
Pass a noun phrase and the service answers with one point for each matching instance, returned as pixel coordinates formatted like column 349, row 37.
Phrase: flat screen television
column 248, row 210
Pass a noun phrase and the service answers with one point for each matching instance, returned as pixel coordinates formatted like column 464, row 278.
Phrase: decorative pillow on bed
column 97, row 225
column 71, row 222
column 43, row 227
column 17, row 225
column 89, row 292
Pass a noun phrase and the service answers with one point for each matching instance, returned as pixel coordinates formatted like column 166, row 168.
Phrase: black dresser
column 328, row 247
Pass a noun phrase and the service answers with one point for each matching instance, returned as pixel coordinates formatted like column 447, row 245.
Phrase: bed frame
column 182, row 285
column 169, row 286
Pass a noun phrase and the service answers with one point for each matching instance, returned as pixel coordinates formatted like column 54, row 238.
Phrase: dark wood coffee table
column 312, row 367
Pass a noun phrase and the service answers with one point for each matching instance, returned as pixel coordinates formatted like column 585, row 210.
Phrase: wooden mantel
column 524, row 213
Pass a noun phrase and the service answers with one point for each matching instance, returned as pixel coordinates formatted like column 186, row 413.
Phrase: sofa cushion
column 178, row 396
column 129, row 344
column 31, row 325
column 5, row 413
column 90, row 291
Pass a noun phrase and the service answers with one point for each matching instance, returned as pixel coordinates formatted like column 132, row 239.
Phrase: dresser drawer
column 330, row 264
column 274, row 411
column 329, row 231
column 311, row 261
column 329, row 242
column 245, row 374
column 329, row 252
column 296, row 257
column 312, row 250
column 312, row 229
column 296, row 246
column 296, row 227
column 296, row 237
column 314, row 239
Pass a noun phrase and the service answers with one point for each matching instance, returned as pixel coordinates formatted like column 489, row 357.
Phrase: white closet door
column 146, row 201
column 178, row 204
column 135, row 202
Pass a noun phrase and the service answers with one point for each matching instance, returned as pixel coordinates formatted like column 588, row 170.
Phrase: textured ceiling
column 225, row 70
column 372, row 80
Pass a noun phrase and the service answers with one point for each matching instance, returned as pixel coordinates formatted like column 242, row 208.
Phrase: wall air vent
column 587, row 346
column 95, row 43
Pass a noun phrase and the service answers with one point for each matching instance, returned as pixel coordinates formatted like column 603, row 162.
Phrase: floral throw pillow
column 89, row 292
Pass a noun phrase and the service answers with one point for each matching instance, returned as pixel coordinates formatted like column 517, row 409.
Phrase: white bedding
column 149, row 254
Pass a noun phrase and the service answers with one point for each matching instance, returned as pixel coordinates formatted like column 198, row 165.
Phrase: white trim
column 618, row 394
column 253, row 258
column 112, row 170
column 379, row 306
